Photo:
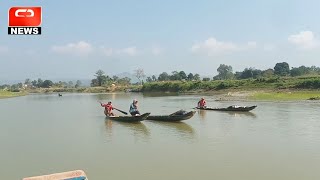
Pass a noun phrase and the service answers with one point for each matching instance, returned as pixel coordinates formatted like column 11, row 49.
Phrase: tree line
column 101, row 79
column 39, row 83
column 225, row 72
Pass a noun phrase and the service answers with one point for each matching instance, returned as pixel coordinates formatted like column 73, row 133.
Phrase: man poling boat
column 202, row 103
column 108, row 108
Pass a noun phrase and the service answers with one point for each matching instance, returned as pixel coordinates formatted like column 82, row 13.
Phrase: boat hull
column 172, row 118
column 129, row 118
column 238, row 109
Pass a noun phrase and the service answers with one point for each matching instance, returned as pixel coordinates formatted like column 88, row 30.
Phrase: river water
column 43, row 134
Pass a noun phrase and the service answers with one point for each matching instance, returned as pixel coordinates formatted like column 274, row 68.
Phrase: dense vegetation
column 280, row 77
column 244, row 84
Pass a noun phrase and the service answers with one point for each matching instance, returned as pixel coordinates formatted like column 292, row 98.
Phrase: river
column 43, row 134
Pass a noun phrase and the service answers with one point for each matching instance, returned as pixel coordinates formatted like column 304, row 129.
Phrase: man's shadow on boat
column 138, row 129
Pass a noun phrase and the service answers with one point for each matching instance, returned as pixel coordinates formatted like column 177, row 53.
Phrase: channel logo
column 24, row 20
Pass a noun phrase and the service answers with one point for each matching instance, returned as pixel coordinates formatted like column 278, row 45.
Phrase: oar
column 118, row 110
column 121, row 111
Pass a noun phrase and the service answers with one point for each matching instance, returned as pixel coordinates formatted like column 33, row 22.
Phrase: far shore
column 221, row 95
column 268, row 95
column 8, row 94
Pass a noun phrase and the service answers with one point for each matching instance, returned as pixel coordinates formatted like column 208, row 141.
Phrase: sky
column 80, row 37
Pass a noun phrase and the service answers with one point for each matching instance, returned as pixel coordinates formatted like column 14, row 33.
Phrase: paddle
column 121, row 111
column 118, row 110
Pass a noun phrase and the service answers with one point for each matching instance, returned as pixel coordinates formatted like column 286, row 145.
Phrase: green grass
column 285, row 96
column 8, row 94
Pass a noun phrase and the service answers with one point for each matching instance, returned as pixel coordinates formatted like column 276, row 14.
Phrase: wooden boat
column 71, row 175
column 129, row 118
column 174, row 117
column 231, row 108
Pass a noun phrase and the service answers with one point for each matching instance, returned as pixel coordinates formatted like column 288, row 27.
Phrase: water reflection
column 202, row 114
column 181, row 129
column 113, row 97
column 159, row 94
column 241, row 114
column 138, row 130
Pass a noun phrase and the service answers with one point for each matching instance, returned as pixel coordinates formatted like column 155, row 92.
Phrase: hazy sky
column 80, row 37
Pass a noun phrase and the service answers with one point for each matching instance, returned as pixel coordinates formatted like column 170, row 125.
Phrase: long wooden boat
column 173, row 117
column 71, row 175
column 230, row 108
column 129, row 118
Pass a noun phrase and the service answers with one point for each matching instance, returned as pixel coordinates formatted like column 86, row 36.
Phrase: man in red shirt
column 108, row 108
column 202, row 103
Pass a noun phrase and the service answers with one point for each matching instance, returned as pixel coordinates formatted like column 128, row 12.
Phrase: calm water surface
column 43, row 134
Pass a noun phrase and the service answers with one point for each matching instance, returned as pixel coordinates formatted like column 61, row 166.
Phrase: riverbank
column 286, row 95
column 260, row 95
column 274, row 89
column 86, row 89
column 8, row 94
column 229, row 94
column 274, row 83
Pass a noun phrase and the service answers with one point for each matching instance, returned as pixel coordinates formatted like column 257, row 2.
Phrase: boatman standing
column 108, row 108
column 134, row 108
column 202, row 103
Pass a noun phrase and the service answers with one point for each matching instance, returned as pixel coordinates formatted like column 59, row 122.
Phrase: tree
column 196, row 77
column 154, row 78
column 27, row 82
column 315, row 69
column 237, row 75
column 47, row 84
column 268, row 73
column 39, row 83
column 175, row 76
column 246, row 73
column 101, row 78
column 78, row 84
column 115, row 78
column 190, row 77
column 149, row 79
column 182, row 75
column 139, row 73
column 124, row 81
column 250, row 73
column 70, row 84
column 163, row 77
column 300, row 71
column 296, row 72
column 206, row 79
column 282, row 69
column 225, row 71
column 34, row 83
column 94, row 83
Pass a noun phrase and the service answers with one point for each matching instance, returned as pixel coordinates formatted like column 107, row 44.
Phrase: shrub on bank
column 313, row 83
column 260, row 83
